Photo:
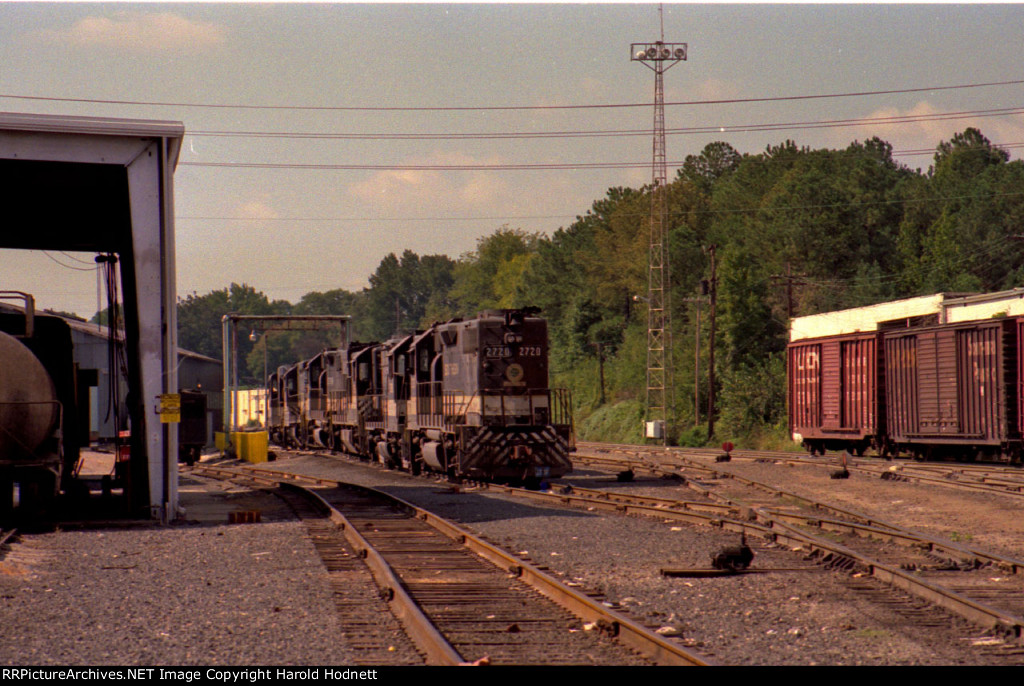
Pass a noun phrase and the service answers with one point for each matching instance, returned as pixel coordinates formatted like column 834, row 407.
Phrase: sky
column 317, row 89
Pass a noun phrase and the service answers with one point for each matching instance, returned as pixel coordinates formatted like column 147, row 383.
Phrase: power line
column 520, row 135
column 740, row 210
column 374, row 219
column 424, row 167
column 554, row 166
column 490, row 108
column 68, row 266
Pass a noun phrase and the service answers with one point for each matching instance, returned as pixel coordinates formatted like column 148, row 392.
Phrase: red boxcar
column 834, row 392
column 952, row 390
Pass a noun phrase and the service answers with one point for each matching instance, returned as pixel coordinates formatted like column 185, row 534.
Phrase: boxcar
column 835, row 387
column 952, row 390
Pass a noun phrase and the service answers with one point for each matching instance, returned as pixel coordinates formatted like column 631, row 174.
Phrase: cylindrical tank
column 29, row 411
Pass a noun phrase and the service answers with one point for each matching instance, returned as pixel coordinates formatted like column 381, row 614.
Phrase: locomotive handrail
column 429, row 398
column 450, row 409
column 452, row 416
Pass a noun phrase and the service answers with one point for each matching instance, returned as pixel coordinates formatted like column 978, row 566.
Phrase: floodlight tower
column 659, row 57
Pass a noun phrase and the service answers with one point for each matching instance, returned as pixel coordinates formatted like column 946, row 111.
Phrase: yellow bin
column 251, row 446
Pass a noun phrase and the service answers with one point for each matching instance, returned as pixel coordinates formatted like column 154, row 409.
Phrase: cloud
column 926, row 128
column 139, row 32
column 419, row 188
column 709, row 89
column 256, row 209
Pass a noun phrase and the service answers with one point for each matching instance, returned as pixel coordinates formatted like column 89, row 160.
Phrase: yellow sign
column 170, row 408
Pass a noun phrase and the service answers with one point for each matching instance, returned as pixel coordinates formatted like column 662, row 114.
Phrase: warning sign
column 170, row 408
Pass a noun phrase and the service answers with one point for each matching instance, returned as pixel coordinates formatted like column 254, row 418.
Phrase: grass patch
column 617, row 423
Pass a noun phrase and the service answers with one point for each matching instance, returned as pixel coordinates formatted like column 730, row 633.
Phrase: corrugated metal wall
column 901, row 385
column 804, row 387
column 949, row 383
column 857, row 385
column 833, row 387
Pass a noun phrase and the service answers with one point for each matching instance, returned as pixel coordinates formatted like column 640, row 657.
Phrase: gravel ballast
column 811, row 617
column 191, row 594
column 218, row 594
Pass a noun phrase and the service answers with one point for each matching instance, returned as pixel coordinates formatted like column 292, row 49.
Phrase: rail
column 398, row 591
column 454, row 410
column 950, row 598
column 422, row 631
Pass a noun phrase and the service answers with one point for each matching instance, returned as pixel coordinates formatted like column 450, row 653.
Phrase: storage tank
column 29, row 410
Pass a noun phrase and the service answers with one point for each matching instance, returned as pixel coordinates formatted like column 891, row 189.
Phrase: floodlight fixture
column 658, row 52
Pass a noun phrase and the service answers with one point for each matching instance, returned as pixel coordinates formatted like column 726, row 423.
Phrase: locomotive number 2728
column 506, row 351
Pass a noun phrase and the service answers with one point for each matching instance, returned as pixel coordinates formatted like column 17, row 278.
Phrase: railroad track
column 461, row 600
column 6, row 536
column 368, row 626
column 980, row 478
column 987, row 592
column 985, row 588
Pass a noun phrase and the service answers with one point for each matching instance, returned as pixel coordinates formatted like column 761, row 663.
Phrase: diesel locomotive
column 469, row 398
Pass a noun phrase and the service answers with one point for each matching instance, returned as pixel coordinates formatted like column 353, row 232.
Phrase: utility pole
column 713, row 294
column 600, row 361
column 699, row 300
column 790, row 279
column 659, row 57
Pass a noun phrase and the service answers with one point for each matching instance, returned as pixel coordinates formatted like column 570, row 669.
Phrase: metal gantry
column 659, row 57
column 283, row 322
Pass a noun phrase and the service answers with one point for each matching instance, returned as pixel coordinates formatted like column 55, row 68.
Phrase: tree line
column 795, row 231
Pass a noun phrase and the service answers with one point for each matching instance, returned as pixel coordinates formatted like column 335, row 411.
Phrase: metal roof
column 96, row 126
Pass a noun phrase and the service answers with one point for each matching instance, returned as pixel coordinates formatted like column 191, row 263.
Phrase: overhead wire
column 491, row 108
column 987, row 250
column 513, row 135
column 739, row 210
column 77, row 259
column 68, row 266
column 509, row 166
column 778, row 126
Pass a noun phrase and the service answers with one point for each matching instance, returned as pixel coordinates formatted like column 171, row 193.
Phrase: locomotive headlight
column 514, row 372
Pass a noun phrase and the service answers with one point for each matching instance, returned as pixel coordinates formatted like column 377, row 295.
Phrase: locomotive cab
column 497, row 405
